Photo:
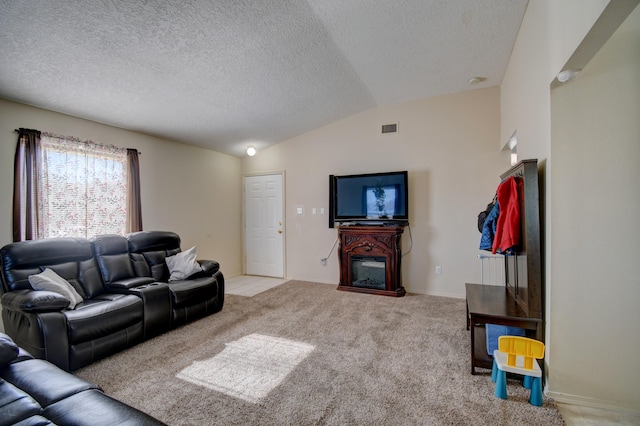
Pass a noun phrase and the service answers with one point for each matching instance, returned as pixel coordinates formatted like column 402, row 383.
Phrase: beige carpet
column 369, row 360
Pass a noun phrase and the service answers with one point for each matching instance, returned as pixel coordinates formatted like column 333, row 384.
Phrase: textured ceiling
column 225, row 74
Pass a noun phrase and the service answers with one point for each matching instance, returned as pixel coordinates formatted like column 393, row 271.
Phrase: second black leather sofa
column 36, row 392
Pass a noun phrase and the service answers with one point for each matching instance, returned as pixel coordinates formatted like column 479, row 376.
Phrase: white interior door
column 264, row 226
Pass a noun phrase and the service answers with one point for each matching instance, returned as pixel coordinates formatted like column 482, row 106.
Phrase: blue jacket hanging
column 489, row 228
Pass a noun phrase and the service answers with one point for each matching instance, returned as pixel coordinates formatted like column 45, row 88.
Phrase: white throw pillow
column 183, row 264
column 50, row 281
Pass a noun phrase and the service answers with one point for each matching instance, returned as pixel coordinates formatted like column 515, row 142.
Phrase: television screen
column 369, row 198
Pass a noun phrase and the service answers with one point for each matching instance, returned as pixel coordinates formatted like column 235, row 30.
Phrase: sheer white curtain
column 83, row 188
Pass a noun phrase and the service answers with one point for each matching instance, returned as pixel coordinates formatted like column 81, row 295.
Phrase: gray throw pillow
column 49, row 280
column 183, row 265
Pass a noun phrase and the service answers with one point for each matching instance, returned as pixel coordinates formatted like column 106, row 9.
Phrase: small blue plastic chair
column 518, row 355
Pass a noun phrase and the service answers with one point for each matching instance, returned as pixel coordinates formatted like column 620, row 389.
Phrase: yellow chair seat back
column 515, row 346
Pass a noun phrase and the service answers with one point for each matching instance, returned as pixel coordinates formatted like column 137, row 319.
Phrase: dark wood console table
column 494, row 305
column 370, row 258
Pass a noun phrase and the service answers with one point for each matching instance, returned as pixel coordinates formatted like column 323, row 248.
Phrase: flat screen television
column 369, row 199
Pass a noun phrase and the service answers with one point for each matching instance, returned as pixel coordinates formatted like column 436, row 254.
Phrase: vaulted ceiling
column 225, row 74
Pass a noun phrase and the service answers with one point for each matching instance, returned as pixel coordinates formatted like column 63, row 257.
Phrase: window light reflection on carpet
column 248, row 368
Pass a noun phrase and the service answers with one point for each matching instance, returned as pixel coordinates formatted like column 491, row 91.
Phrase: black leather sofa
column 126, row 294
column 36, row 392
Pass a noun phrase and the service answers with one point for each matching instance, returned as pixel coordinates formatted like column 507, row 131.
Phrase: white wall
column 192, row 191
column 595, row 198
column 449, row 145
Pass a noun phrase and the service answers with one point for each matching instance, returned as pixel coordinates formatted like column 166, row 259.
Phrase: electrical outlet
column 438, row 270
column 323, row 261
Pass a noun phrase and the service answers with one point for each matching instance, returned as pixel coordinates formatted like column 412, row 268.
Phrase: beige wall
column 192, row 191
column 595, row 206
column 549, row 35
column 449, row 145
column 550, row 32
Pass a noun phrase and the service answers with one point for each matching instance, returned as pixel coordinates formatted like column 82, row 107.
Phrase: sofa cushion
column 153, row 247
column 8, row 350
column 153, row 264
column 50, row 281
column 116, row 267
column 183, row 265
column 36, row 421
column 45, row 382
column 16, row 405
column 67, row 257
column 89, row 278
column 69, row 271
column 103, row 315
column 102, row 410
column 157, row 264
column 112, row 255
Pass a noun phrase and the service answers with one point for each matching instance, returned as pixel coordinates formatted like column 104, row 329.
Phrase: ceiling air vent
column 389, row 128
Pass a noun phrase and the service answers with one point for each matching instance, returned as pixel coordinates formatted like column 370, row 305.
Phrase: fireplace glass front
column 368, row 272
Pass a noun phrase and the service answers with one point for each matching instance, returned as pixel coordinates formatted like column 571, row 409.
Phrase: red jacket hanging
column 508, row 228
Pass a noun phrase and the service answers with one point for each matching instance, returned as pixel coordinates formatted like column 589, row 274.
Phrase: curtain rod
column 18, row 131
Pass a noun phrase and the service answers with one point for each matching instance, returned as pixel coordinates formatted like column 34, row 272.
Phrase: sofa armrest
column 209, row 267
column 41, row 334
column 129, row 283
column 34, row 301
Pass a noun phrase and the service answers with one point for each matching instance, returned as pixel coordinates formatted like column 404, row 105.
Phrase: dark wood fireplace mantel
column 370, row 259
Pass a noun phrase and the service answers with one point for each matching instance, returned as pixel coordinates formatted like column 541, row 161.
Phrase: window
column 84, row 188
column 77, row 189
column 513, row 147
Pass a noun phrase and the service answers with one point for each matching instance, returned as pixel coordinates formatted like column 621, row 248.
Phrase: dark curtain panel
column 134, row 207
column 25, row 185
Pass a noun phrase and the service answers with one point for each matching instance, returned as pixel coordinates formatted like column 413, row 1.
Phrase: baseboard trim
column 583, row 401
column 440, row 294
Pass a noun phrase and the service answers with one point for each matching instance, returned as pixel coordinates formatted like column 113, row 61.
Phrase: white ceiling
column 225, row 74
